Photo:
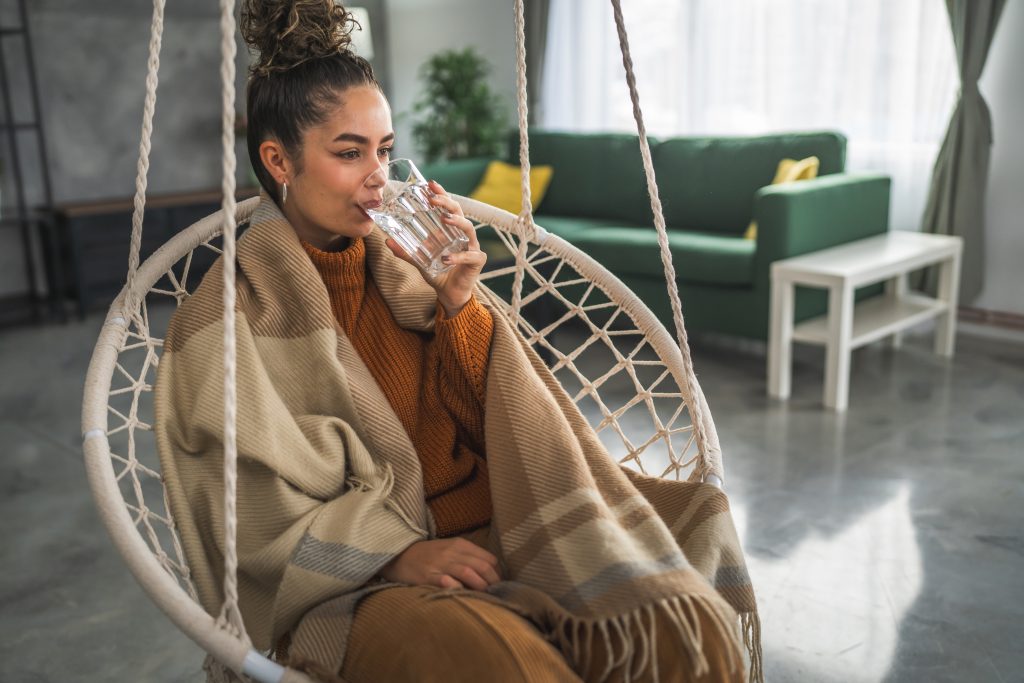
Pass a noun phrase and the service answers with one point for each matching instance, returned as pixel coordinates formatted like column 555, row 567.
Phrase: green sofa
column 710, row 188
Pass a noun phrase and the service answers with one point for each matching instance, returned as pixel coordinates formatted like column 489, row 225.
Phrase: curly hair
column 303, row 65
column 287, row 34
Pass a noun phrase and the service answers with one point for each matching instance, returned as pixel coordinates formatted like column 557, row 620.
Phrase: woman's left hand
column 454, row 287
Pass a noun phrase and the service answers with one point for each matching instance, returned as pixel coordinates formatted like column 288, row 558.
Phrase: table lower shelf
column 875, row 319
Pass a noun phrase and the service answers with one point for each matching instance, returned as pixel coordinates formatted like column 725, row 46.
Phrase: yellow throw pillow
column 789, row 170
column 500, row 186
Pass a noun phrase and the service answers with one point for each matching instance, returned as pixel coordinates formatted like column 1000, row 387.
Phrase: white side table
column 884, row 258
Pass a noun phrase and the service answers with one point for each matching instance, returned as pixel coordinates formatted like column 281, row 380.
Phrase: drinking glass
column 406, row 215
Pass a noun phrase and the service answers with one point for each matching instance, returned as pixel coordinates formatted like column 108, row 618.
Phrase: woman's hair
column 303, row 66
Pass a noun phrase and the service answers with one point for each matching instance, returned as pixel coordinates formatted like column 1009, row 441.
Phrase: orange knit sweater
column 434, row 383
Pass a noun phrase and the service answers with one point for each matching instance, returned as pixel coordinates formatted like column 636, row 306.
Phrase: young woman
column 417, row 500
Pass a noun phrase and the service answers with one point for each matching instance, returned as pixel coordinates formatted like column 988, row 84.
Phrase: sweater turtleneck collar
column 344, row 274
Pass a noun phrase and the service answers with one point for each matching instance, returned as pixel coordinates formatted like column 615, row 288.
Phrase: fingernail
column 447, row 260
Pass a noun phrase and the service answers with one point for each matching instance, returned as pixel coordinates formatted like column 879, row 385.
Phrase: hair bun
column 287, row 33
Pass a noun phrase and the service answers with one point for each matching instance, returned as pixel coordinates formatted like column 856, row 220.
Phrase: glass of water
column 407, row 216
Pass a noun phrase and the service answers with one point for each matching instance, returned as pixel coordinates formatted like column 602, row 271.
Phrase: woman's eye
column 350, row 154
column 385, row 151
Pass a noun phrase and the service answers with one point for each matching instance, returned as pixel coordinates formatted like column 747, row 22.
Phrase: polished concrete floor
column 885, row 545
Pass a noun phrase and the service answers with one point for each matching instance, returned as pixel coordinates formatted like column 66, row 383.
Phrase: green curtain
column 535, row 14
column 956, row 199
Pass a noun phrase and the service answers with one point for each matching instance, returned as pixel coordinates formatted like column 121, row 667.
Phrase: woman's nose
column 378, row 176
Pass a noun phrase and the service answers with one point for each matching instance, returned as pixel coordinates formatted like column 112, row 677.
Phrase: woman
column 417, row 499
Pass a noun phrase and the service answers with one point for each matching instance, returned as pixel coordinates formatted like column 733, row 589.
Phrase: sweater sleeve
column 463, row 346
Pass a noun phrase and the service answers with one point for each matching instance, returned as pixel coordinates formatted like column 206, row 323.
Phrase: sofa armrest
column 459, row 176
column 796, row 218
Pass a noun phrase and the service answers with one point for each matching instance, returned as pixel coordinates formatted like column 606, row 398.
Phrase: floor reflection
column 834, row 603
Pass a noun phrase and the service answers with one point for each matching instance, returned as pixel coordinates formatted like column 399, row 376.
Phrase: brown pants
column 400, row 635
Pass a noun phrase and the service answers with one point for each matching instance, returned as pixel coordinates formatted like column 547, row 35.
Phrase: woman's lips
column 366, row 206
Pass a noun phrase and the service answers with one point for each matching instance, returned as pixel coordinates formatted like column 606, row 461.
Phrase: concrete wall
column 1002, row 84
column 420, row 28
column 91, row 68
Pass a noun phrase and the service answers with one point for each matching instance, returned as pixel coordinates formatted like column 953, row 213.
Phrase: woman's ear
column 276, row 160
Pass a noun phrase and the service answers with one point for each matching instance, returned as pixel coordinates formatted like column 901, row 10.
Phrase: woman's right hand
column 444, row 562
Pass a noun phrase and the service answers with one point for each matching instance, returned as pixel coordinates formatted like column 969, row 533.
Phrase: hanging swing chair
column 641, row 394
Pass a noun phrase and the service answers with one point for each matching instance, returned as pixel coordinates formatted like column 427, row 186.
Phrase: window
column 882, row 73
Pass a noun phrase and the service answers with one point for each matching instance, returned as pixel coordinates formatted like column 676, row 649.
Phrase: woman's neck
column 324, row 240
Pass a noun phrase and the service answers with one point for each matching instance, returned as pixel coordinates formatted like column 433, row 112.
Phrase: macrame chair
column 644, row 399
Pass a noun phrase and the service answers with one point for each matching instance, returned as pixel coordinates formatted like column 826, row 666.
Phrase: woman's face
column 342, row 169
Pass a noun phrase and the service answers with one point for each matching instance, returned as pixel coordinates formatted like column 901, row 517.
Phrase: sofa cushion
column 597, row 175
column 789, row 171
column 708, row 184
column 699, row 257
column 501, row 186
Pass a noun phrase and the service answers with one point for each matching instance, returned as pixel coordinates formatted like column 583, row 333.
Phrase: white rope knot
column 540, row 235
column 226, row 622
column 526, row 227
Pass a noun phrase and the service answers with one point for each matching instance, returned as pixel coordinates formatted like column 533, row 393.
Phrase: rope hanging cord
column 694, row 402
column 525, row 218
column 142, row 166
column 230, row 617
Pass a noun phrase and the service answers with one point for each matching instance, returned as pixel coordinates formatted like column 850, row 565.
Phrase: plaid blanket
column 330, row 488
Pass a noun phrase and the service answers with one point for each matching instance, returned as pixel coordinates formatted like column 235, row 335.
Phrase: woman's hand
column 446, row 563
column 455, row 287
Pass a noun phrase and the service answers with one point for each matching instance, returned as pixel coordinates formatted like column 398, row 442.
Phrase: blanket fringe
column 631, row 639
column 383, row 482
column 751, row 625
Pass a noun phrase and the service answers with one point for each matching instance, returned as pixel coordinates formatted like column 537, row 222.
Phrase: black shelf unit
column 95, row 238
column 36, row 223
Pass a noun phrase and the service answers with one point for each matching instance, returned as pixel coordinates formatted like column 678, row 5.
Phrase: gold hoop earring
column 284, row 193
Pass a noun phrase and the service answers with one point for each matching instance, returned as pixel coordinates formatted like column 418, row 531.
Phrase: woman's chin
column 366, row 227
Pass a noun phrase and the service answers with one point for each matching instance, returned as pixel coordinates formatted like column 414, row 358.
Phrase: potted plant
column 459, row 115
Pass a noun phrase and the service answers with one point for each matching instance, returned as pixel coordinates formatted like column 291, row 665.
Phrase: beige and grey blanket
column 330, row 487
